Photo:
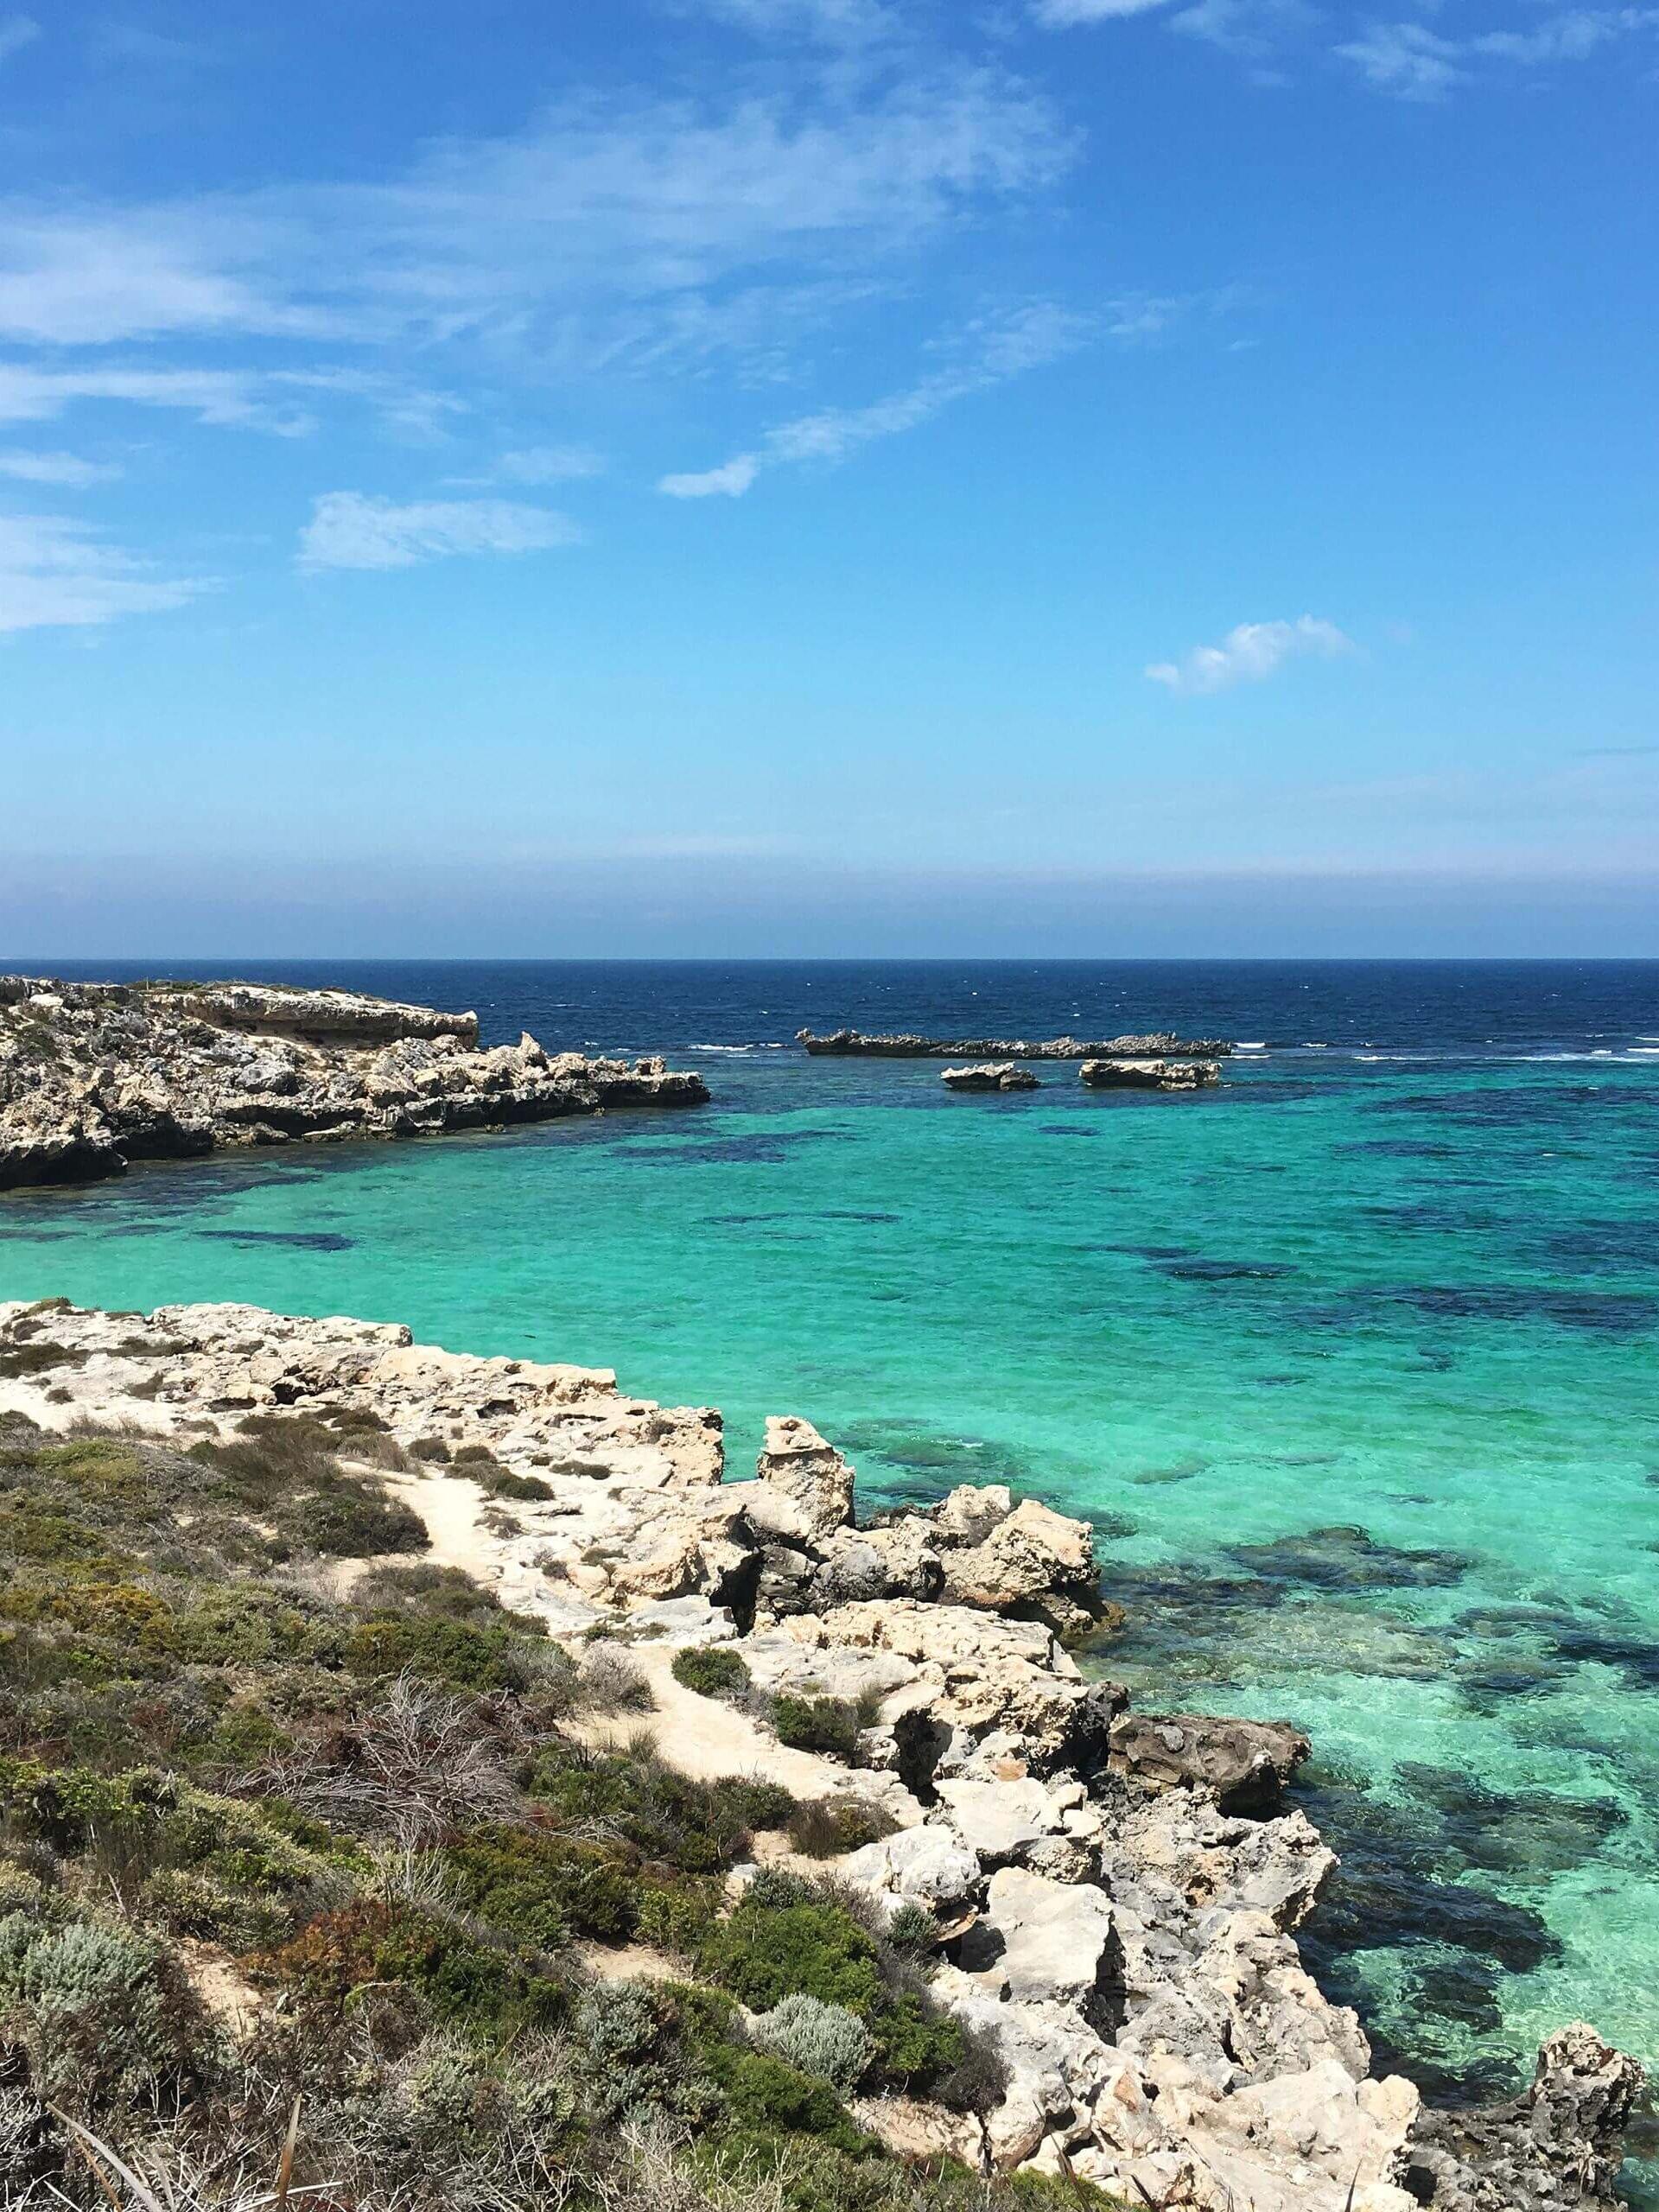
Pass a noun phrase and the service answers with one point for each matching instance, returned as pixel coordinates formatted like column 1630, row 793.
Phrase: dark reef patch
column 304, row 1240
column 1195, row 1271
column 1348, row 1558
column 1617, row 1313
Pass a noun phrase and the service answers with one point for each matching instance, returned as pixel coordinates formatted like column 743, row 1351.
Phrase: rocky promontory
column 853, row 1044
column 95, row 1075
column 1107, row 1898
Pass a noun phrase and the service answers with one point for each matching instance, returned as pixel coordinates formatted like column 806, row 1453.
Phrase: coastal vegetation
column 289, row 1813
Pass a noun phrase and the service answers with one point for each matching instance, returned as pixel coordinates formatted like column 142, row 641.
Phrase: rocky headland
column 856, row 1044
column 1108, row 1899
column 95, row 1075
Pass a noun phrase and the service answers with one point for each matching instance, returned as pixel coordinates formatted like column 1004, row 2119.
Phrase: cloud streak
column 990, row 352
column 1249, row 653
column 57, row 574
column 354, row 529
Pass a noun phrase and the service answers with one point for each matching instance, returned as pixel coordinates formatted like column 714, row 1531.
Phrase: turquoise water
column 1411, row 1303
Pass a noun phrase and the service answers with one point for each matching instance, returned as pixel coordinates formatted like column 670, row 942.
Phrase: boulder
column 805, row 1487
column 1034, row 1560
column 1243, row 1764
column 1042, row 1941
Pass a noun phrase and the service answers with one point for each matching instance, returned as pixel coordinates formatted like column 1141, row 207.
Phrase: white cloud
column 1249, row 653
column 1408, row 59
column 354, row 529
column 553, row 242
column 222, row 397
column 836, row 23
column 66, row 469
column 989, row 353
column 731, row 479
column 1065, row 15
column 547, row 465
column 16, row 32
column 1414, row 63
column 56, row 574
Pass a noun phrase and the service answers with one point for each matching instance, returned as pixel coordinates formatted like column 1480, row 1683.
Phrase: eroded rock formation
column 902, row 1046
column 989, row 1075
column 94, row 1075
column 1148, row 1074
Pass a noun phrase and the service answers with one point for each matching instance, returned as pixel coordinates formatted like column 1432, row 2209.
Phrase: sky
column 793, row 477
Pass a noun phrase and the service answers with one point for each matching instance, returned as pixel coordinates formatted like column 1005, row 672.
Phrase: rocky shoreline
column 95, row 1075
column 1116, row 1893
column 853, row 1044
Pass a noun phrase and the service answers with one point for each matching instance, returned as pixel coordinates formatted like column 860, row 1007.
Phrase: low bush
column 826, row 2041
column 817, row 1724
column 711, row 1671
column 824, row 1828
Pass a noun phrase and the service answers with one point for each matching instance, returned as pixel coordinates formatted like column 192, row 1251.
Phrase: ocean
column 1352, row 1362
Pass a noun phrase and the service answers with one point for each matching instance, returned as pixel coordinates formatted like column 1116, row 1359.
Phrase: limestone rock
column 1149, row 1075
column 806, row 1487
column 990, row 1075
column 1042, row 1941
column 1034, row 1558
column 1243, row 1764
column 93, row 1075
column 853, row 1043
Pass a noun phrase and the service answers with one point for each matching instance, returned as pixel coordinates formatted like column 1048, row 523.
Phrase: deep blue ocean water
column 1353, row 1362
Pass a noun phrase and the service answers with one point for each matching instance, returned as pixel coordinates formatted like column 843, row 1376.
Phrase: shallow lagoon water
column 1353, row 1363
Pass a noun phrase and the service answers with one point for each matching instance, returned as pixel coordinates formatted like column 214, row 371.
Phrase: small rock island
column 94, row 1075
column 855, row 1044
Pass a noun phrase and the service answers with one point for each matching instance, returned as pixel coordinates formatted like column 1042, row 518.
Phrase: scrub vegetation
column 266, row 1849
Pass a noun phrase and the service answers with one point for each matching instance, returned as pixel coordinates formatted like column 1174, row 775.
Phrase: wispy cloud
column 546, row 244
column 1065, row 15
column 1414, row 63
column 354, row 529
column 222, row 397
column 730, row 480
column 1249, row 653
column 16, row 32
column 989, row 353
column 67, row 470
column 835, row 22
column 539, row 465
column 56, row 574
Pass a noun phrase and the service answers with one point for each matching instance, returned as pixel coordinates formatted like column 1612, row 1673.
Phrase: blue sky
column 797, row 476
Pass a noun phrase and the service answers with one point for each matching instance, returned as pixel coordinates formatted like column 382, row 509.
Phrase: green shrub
column 711, row 1671
column 438, row 1650
column 462, row 1979
column 188, row 1902
column 806, row 1946
column 104, row 2016
column 826, row 2041
column 701, row 1827
column 543, row 1889
column 764, row 2093
column 817, row 1724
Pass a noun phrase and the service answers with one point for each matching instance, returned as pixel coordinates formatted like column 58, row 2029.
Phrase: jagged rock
column 1243, row 1764
column 915, row 2131
column 853, row 1043
column 805, row 1486
column 1034, row 1560
column 1149, row 1075
column 1559, row 2144
column 927, row 1865
column 1042, row 1941
column 968, row 1514
column 990, row 1075
column 93, row 1075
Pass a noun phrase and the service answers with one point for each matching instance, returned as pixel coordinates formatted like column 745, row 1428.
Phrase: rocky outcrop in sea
column 1149, row 1075
column 850, row 1044
column 990, row 1075
column 1115, row 1895
column 95, row 1075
